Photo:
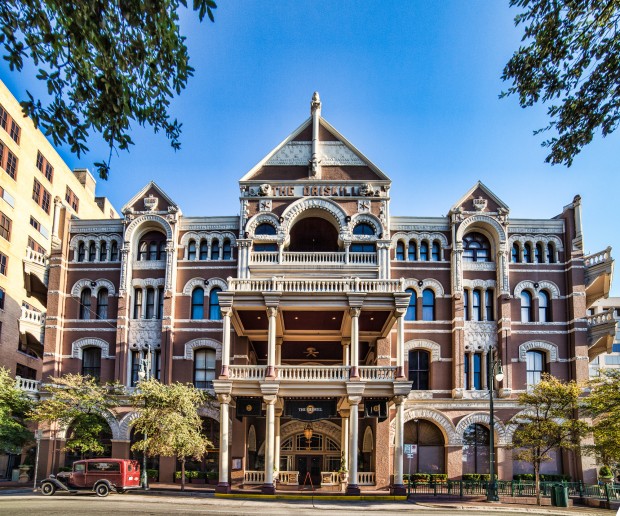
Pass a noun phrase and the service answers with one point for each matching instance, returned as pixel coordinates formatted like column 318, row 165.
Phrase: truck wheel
column 102, row 490
column 121, row 491
column 48, row 489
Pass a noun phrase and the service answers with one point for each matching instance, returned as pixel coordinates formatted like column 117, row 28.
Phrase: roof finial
column 315, row 104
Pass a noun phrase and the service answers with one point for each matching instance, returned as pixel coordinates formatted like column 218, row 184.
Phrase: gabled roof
column 485, row 191
column 142, row 193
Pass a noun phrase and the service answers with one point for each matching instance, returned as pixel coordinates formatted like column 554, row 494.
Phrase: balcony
column 601, row 333
column 311, row 285
column 36, row 272
column 599, row 268
column 27, row 385
column 31, row 332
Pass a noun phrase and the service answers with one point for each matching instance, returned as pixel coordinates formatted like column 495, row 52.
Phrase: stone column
column 223, row 485
column 353, row 488
column 121, row 448
column 355, row 314
column 226, row 312
column 276, row 440
column 272, row 312
column 56, row 219
column 268, row 486
column 400, row 344
column 279, row 351
column 344, row 436
column 398, row 487
column 346, row 347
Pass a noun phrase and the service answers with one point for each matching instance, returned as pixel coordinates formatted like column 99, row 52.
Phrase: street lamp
column 145, row 374
column 494, row 371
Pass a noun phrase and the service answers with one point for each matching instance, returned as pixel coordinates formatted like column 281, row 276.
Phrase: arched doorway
column 313, row 234
column 476, row 439
column 89, row 436
column 429, row 452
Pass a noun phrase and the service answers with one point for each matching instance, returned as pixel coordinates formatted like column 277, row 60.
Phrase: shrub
column 211, row 475
column 471, row 476
column 153, row 474
column 439, row 478
column 420, row 477
column 544, row 477
column 524, row 476
column 605, row 472
column 177, row 475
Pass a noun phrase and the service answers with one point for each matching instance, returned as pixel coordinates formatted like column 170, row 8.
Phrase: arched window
column 161, row 253
column 103, row 251
column 410, row 315
column 150, row 303
column 114, row 251
column 526, row 306
column 92, row 251
column 436, row 252
column 265, row 229
column 81, row 252
column 142, row 251
column 137, row 304
column 475, row 382
column 550, row 253
column 527, row 253
column 91, row 362
column 85, row 304
column 430, row 447
column 419, row 361
column 466, row 314
column 204, row 368
column 152, row 246
column 424, row 252
column 204, row 250
column 153, row 251
column 198, row 301
column 215, row 313
column 160, row 306
column 362, row 247
column 363, row 229
column 191, row 250
column 476, row 449
column 226, row 251
column 428, row 305
column 476, row 308
column 534, row 366
column 400, row 251
column 489, row 305
column 215, row 250
column 476, row 248
column 102, row 303
column 515, row 253
column 539, row 253
column 544, row 306
column 412, row 251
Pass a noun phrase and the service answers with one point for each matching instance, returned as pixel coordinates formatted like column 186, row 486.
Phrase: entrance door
column 309, row 464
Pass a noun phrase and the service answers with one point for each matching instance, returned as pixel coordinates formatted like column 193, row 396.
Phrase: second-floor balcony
column 599, row 268
column 36, row 271
column 318, row 285
column 601, row 333
column 308, row 373
column 32, row 331
column 313, row 258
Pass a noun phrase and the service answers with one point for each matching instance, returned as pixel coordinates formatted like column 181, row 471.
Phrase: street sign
column 38, row 434
column 411, row 450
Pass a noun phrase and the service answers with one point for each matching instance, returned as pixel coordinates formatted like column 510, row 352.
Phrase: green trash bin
column 559, row 495
column 554, row 500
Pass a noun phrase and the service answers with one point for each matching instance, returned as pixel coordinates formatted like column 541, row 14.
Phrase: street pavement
column 12, row 502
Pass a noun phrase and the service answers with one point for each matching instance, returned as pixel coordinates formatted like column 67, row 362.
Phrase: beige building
column 38, row 191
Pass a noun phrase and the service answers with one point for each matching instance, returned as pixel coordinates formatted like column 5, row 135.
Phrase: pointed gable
column 480, row 199
column 151, row 198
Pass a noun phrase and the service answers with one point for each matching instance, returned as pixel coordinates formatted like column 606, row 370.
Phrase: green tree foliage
column 77, row 401
column 168, row 416
column 14, row 405
column 568, row 60
column 603, row 405
column 106, row 64
column 548, row 422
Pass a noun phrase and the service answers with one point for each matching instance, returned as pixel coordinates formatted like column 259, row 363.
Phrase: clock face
column 248, row 408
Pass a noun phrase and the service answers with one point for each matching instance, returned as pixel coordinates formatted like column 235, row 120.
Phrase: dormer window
column 476, row 248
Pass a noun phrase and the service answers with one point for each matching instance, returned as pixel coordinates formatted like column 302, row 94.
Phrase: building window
column 489, row 305
column 135, row 368
column 265, row 229
column 3, row 118
column 539, row 253
column 527, row 253
column 152, row 247
column 142, row 251
column 476, row 378
column 4, row 263
column 466, row 305
column 204, row 368
column 544, row 307
column 424, row 251
column 157, row 364
column 412, row 252
column 534, row 366
column 400, row 251
column 362, row 247
column 476, row 248
column 44, row 166
column 5, row 227
column 363, row 229
column 515, row 253
column 72, row 199
column 41, row 196
column 11, row 165
column 102, row 303
column 428, row 305
column 103, row 251
column 204, row 250
column 265, row 248
column 35, row 224
column 436, row 252
column 419, row 369
column 476, row 442
column 410, row 315
column 198, row 299
column 160, row 305
column 150, row 303
column 550, row 253
column 15, row 131
column 137, row 304
column 92, row 251
column 215, row 314
column 85, row 304
column 476, row 308
column 81, row 252
column 526, row 306
column 226, row 250
column 36, row 247
column 153, row 251
column 114, row 251
column 25, row 372
column 2, row 296
column 215, row 250
column 91, row 362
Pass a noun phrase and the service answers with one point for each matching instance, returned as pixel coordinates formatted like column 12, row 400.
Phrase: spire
column 314, row 166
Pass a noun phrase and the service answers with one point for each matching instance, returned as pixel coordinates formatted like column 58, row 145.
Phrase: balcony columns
column 346, row 348
column 400, row 344
column 270, row 402
column 355, row 317
column 352, row 487
column 398, row 487
column 272, row 312
column 226, row 312
column 344, row 436
column 223, row 485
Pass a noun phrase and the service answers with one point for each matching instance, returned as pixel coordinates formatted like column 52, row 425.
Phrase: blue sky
column 414, row 85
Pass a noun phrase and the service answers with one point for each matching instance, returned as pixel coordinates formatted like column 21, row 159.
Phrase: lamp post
column 145, row 374
column 494, row 371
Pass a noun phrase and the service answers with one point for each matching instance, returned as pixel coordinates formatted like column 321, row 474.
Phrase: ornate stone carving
column 470, row 419
column 202, row 343
column 363, row 206
column 367, row 190
column 151, row 202
column 444, row 423
column 332, row 153
column 429, row 345
column 480, row 204
column 264, row 190
column 98, row 284
column 550, row 349
column 480, row 335
column 551, row 287
column 144, row 334
column 264, row 205
column 88, row 342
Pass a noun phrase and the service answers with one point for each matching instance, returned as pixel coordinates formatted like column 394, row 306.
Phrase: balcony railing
column 366, row 478
column 318, row 373
column 598, row 258
column 599, row 269
column 32, row 316
column 313, row 373
column 600, row 318
column 377, row 374
column 310, row 258
column 26, row 384
column 254, row 477
column 33, row 257
column 247, row 372
column 304, row 285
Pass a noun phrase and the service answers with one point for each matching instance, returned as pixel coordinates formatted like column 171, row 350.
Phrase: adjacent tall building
column 332, row 333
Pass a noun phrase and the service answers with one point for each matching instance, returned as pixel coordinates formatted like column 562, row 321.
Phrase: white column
column 56, row 219
column 346, row 346
column 355, row 314
column 470, row 357
column 225, row 340
column 400, row 345
column 278, row 351
column 223, row 484
column 399, row 441
column 270, row 402
column 353, row 488
column 344, row 436
column 272, row 312
column 276, row 444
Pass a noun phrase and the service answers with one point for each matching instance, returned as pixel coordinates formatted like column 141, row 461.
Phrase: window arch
column 419, row 369
column 515, row 253
column 363, row 229
column 410, row 315
column 204, row 368
column 412, row 251
column 137, row 304
column 198, row 298
column 534, row 366
column 476, row 305
column 265, row 229
column 550, row 253
column 85, row 304
column 204, row 250
column 544, row 306
column 215, row 250
column 102, row 303
column 81, row 252
column 527, row 253
column 92, row 251
column 424, row 252
column 526, row 306
column 476, row 440
column 150, row 303
column 191, row 250
column 400, row 251
column 114, row 251
column 142, row 251
column 152, row 246
column 476, row 248
column 436, row 252
column 428, row 305
column 539, row 253
column 215, row 314
column 226, row 250
column 91, row 362
column 103, row 251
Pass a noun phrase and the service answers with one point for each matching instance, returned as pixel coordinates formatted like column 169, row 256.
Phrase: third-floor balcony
column 599, row 272
column 36, row 269
column 31, row 332
column 601, row 333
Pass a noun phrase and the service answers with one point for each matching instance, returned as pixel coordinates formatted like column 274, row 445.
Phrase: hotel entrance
column 311, row 464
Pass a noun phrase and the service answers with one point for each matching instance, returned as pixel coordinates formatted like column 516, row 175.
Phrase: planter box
column 198, row 481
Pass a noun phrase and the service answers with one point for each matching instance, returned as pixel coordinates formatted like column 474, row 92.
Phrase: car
column 100, row 476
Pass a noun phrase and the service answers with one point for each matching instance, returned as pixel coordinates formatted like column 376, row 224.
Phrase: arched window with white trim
column 198, row 299
column 412, row 251
column 226, row 250
column 204, row 368
column 91, row 362
column 424, row 251
column 544, row 306
column 204, row 250
column 103, row 251
column 114, row 251
column 85, row 304
column 534, row 366
column 400, row 251
column 476, row 248
column 191, row 250
column 526, row 306
column 436, row 251
column 215, row 250
column 81, row 251
column 215, row 314
column 410, row 315
column 102, row 303
column 428, row 305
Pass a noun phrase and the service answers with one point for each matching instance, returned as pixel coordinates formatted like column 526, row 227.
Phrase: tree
column 569, row 60
column 168, row 416
column 106, row 64
column 14, row 405
column 548, row 422
column 603, row 405
column 79, row 401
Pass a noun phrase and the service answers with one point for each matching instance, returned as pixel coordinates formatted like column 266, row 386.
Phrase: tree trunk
column 537, row 481
column 182, row 474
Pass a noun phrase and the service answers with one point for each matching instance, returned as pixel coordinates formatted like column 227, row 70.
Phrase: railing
column 325, row 258
column 260, row 257
column 303, row 285
column 313, row 373
column 32, row 316
column 289, row 478
column 330, row 478
column 601, row 318
column 597, row 258
column 254, row 477
column 247, row 372
column 26, row 384
column 376, row 373
column 366, row 478
column 33, row 256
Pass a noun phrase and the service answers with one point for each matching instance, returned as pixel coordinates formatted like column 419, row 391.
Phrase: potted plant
column 343, row 472
column 177, row 477
column 153, row 475
column 605, row 475
column 212, row 478
column 199, row 477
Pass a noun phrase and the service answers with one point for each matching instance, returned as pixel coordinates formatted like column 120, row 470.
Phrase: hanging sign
column 249, row 407
column 376, row 408
column 310, row 410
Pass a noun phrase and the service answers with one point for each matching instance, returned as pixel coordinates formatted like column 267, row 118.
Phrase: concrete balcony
column 31, row 332
column 599, row 268
column 601, row 333
column 330, row 263
column 36, row 272
column 315, row 285
column 26, row 385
